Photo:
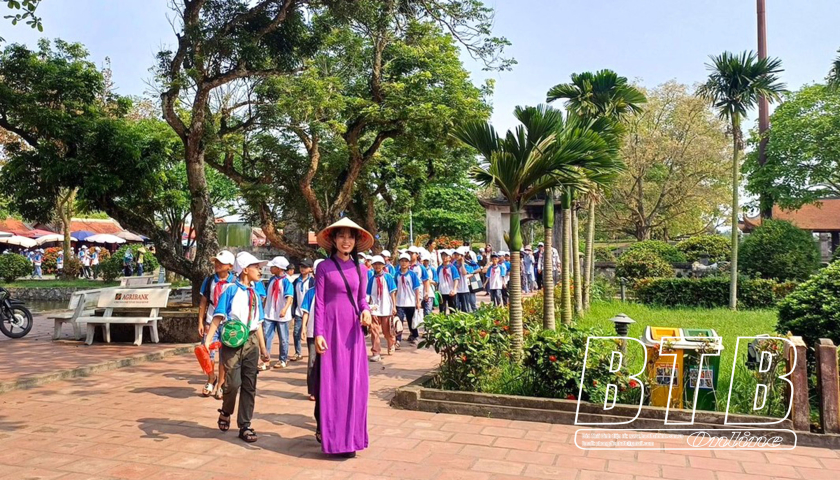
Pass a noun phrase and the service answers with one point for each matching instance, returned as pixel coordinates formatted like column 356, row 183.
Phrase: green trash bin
column 703, row 338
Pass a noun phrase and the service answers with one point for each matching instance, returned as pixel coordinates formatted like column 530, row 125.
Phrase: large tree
column 803, row 149
column 734, row 86
column 223, row 48
column 675, row 181
column 366, row 122
column 24, row 11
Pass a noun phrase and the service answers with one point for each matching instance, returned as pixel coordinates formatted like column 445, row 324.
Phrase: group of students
column 333, row 304
column 235, row 296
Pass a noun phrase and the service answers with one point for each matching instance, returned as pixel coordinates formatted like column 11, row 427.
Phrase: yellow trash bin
column 660, row 367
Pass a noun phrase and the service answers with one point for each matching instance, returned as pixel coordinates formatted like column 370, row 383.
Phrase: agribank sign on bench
column 664, row 369
column 136, row 298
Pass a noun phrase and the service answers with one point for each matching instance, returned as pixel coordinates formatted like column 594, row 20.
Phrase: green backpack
column 235, row 332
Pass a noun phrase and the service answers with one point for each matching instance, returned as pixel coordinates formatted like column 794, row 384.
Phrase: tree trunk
column 590, row 255
column 515, row 285
column 736, row 180
column 578, row 283
column 565, row 259
column 548, row 277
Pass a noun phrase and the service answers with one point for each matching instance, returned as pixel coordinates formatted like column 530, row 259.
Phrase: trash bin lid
column 697, row 336
column 654, row 335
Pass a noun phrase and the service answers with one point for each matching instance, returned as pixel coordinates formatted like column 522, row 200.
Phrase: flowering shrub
column 470, row 344
column 51, row 255
column 554, row 363
column 446, row 242
column 604, row 254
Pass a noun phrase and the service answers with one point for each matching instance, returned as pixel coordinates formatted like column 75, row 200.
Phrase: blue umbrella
column 81, row 235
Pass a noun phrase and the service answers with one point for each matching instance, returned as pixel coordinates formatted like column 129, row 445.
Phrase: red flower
column 495, row 322
column 483, row 334
column 594, row 383
column 463, row 358
column 506, row 328
column 634, row 384
column 571, row 397
column 552, row 358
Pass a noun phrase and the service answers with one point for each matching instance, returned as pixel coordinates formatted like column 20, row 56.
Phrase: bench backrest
column 117, row 298
column 87, row 298
column 129, row 282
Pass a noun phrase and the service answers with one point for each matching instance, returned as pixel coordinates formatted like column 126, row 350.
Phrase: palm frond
column 737, row 81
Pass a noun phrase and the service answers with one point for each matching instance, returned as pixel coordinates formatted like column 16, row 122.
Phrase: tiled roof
column 13, row 225
column 95, row 225
column 821, row 217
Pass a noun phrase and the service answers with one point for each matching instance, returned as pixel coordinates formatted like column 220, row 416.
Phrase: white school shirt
column 383, row 299
column 496, row 276
column 300, row 292
column 408, row 287
column 276, row 300
column 447, row 275
column 464, row 284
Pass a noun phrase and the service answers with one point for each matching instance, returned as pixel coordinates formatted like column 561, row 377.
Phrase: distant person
column 128, row 260
column 37, row 259
column 302, row 284
column 94, row 262
column 141, row 260
column 211, row 290
column 278, row 310
column 59, row 263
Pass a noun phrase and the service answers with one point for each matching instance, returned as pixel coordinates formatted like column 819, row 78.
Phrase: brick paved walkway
column 148, row 421
column 37, row 354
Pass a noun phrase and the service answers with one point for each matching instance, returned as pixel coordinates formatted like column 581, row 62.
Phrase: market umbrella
column 82, row 234
column 53, row 237
column 104, row 238
column 19, row 241
column 129, row 237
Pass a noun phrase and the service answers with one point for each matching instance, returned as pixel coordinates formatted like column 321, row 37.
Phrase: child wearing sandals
column 211, row 290
column 243, row 301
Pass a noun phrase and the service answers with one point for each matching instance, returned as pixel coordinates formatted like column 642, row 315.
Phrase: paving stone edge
column 87, row 370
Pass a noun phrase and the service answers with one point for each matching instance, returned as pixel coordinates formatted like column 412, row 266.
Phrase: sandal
column 248, row 434
column 224, row 425
column 263, row 366
column 209, row 387
column 219, row 394
column 318, row 436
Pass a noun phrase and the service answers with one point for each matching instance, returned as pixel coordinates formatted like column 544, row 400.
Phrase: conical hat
column 364, row 242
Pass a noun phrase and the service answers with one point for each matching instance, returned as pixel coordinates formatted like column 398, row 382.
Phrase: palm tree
column 607, row 97
column 542, row 152
column 834, row 74
column 735, row 83
column 548, row 273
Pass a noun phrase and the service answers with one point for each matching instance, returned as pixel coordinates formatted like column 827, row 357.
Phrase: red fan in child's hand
column 203, row 356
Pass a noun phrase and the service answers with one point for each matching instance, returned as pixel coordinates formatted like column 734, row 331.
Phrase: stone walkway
column 148, row 421
column 36, row 355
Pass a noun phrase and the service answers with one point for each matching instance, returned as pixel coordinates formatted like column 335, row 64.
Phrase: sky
column 648, row 41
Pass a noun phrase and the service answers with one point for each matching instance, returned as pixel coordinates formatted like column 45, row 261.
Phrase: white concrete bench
column 132, row 282
column 82, row 303
column 118, row 300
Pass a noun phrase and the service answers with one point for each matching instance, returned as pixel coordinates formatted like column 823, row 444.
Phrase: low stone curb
column 418, row 396
column 38, row 380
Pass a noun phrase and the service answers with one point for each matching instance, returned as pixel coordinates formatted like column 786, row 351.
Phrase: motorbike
column 15, row 318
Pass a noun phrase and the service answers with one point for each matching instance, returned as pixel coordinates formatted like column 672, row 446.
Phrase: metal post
column 763, row 109
column 411, row 227
column 623, row 282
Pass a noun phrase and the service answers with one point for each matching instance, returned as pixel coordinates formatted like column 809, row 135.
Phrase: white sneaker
column 376, row 358
column 282, row 364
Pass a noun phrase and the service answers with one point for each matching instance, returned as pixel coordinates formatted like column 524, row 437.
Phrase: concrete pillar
column 827, row 386
column 801, row 409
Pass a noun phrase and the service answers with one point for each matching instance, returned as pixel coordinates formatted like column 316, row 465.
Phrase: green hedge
column 812, row 310
column 779, row 250
column 663, row 250
column 639, row 264
column 717, row 247
column 709, row 292
column 14, row 266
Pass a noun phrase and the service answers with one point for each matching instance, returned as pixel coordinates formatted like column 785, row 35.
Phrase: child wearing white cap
column 409, row 297
column 448, row 278
column 211, row 289
column 278, row 309
column 389, row 267
column 382, row 290
column 241, row 305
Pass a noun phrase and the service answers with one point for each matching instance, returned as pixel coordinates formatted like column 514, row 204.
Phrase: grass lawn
column 78, row 283
column 729, row 325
